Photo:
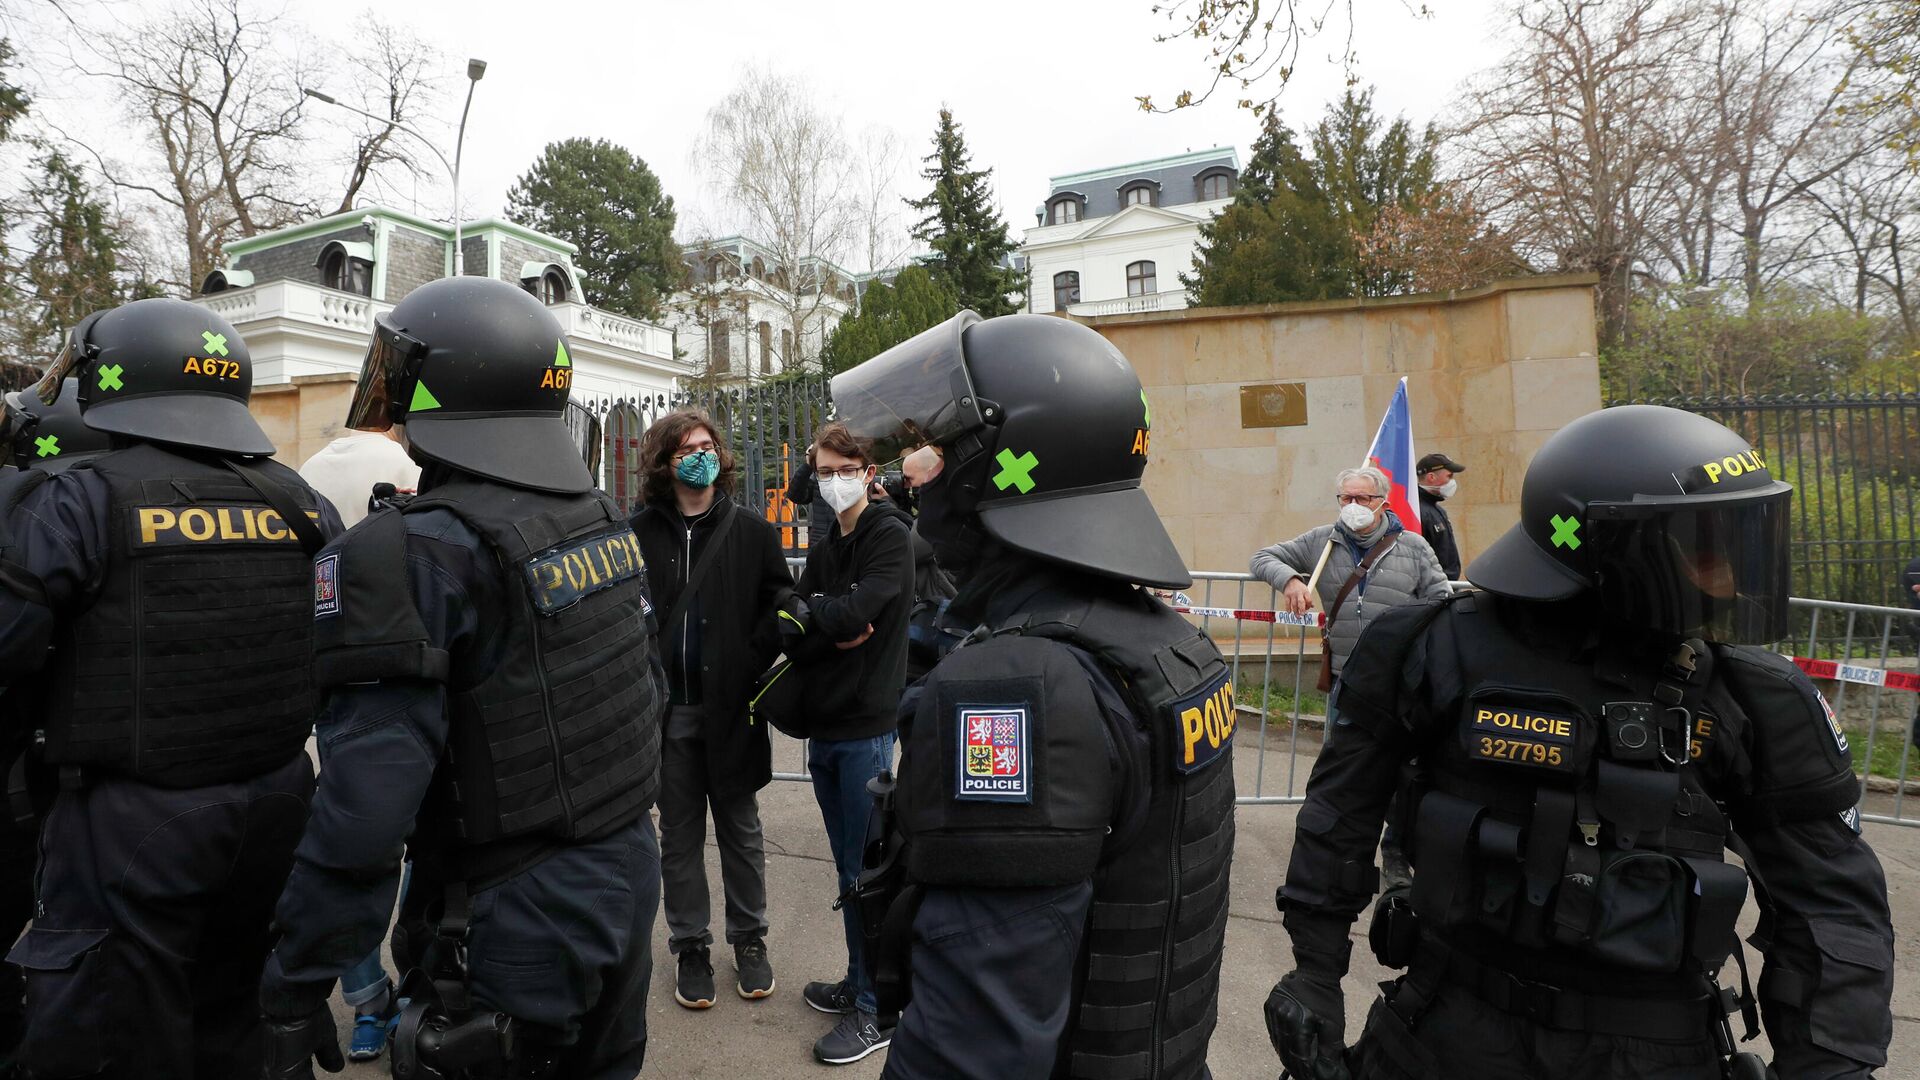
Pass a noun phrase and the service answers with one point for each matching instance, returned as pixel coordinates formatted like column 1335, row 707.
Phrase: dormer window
column 347, row 267
column 1139, row 193
column 1215, row 183
column 550, row 283
column 1064, row 210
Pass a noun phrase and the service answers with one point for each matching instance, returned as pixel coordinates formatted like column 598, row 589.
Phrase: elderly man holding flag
column 1371, row 557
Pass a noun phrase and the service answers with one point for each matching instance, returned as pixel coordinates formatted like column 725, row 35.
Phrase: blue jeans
column 841, row 769
column 367, row 980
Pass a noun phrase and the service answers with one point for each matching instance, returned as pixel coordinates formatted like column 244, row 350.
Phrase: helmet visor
column 584, row 426
column 1719, row 572
column 382, row 374
column 17, row 424
column 914, row 394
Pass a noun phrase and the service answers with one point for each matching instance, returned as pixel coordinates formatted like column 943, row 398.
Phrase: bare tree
column 877, row 171
column 1253, row 46
column 787, row 176
column 391, row 72
column 1776, row 80
column 1564, row 138
column 223, row 110
column 1871, row 209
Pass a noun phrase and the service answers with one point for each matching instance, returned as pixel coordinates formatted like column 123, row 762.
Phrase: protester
column 803, row 493
column 345, row 472
column 927, row 638
column 1437, row 485
column 858, row 585
column 346, row 469
column 1404, row 573
column 714, row 641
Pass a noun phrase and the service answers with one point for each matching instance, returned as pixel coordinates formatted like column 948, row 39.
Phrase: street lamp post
column 475, row 69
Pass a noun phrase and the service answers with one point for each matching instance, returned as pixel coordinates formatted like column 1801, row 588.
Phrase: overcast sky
column 1042, row 87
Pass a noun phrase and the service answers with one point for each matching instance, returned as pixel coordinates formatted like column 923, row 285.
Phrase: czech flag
column 1392, row 454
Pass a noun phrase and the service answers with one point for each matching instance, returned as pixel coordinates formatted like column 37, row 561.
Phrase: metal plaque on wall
column 1273, row 405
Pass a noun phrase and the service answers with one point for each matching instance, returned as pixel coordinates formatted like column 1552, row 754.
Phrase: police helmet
column 479, row 373
column 1673, row 520
column 1044, row 431
column 51, row 437
column 163, row 370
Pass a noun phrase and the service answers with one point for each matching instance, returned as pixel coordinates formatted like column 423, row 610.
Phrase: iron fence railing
column 1864, row 659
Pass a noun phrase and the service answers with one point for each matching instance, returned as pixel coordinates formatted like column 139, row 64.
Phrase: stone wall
column 1490, row 374
column 413, row 259
column 303, row 415
column 474, row 250
column 299, row 260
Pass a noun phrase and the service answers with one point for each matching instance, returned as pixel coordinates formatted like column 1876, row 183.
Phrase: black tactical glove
column 1307, row 1021
column 294, row 1045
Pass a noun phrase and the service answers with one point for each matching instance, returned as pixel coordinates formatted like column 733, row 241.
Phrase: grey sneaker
column 694, row 986
column 829, row 997
column 854, row 1037
column 756, row 971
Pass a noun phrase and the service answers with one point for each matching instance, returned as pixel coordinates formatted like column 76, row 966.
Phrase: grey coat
column 1408, row 574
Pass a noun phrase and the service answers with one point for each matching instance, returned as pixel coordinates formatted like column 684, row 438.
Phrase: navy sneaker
column 693, row 988
column 854, row 1037
column 829, row 997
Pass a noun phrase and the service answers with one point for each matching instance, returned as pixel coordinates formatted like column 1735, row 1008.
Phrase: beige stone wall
column 1490, row 374
column 303, row 415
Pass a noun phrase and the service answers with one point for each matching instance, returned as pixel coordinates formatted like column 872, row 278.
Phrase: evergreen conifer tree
column 72, row 264
column 610, row 205
column 889, row 315
column 970, row 242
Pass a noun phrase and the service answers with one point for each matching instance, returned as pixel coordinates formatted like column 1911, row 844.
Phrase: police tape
column 1857, row 673
column 1283, row 618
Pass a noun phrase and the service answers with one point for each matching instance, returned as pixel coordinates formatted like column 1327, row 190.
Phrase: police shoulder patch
column 326, row 585
column 994, row 763
column 1205, row 720
column 572, row 572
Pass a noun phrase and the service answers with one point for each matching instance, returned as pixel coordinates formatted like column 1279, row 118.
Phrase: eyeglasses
column 682, row 455
column 850, row 472
column 1368, row 500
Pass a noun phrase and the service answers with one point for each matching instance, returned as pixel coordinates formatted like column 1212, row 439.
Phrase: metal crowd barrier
column 1864, row 659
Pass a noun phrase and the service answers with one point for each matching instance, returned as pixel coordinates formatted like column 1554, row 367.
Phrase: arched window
column 624, row 473
column 766, row 348
column 339, row 269
column 1138, row 193
column 1140, row 279
column 759, row 269
column 553, row 287
column 719, row 347
column 1064, row 210
column 1216, row 185
column 1066, row 289
column 786, row 348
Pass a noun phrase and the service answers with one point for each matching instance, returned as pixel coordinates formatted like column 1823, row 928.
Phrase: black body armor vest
column 1566, row 820
column 1147, row 1000
column 561, row 741
column 194, row 664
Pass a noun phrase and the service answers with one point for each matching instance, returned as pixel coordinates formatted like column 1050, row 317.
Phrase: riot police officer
column 1066, row 790
column 163, row 586
column 49, row 439
column 1591, row 737
column 492, row 699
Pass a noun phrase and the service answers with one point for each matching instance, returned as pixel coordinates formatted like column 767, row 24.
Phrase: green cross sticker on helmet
column 1015, row 471
column 216, row 343
column 110, row 376
column 46, row 446
column 1564, row 530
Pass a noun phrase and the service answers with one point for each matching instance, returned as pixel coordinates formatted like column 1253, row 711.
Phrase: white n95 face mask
column 841, row 493
column 1355, row 517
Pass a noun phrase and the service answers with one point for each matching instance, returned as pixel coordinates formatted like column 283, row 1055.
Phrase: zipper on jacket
column 553, row 735
column 686, row 621
column 135, row 735
column 1157, row 1040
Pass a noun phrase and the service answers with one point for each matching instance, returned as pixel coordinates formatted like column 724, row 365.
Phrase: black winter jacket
column 851, row 582
column 735, row 636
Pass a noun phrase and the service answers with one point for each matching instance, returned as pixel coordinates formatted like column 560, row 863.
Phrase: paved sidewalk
column 764, row 1040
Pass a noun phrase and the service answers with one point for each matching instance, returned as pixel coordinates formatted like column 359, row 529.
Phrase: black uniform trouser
column 566, row 948
column 1459, row 1035
column 17, row 849
column 145, row 958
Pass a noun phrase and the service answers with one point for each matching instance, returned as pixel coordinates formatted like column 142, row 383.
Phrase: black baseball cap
column 1437, row 461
